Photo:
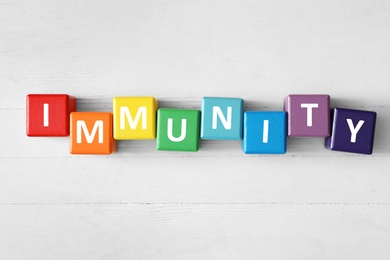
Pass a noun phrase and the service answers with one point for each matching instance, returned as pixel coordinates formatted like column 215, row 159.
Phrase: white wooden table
column 218, row 203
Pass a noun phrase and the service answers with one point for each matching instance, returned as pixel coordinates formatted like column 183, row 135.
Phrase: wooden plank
column 192, row 231
column 265, row 53
column 195, row 180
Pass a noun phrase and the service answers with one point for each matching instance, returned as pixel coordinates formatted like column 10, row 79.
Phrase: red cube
column 48, row 114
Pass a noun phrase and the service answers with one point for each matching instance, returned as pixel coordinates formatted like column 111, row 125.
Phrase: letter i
column 45, row 115
column 265, row 131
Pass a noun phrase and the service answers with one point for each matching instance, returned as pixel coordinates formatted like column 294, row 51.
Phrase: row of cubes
column 261, row 132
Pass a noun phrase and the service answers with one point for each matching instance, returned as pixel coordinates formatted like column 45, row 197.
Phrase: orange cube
column 91, row 133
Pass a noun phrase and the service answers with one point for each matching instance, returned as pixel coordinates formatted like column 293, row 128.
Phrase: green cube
column 178, row 129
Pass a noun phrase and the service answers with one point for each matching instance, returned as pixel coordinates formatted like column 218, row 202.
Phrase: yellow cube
column 134, row 118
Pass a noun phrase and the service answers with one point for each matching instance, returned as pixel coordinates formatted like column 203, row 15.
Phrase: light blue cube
column 264, row 132
column 221, row 118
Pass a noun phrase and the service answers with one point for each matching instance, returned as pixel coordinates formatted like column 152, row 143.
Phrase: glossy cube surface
column 352, row 131
column 134, row 118
column 222, row 118
column 264, row 132
column 178, row 130
column 48, row 114
column 91, row 133
column 308, row 115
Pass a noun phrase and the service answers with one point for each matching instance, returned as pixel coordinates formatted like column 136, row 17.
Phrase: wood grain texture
column 218, row 203
column 146, row 231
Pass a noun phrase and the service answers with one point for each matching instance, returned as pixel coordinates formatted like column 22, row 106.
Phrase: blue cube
column 221, row 118
column 264, row 132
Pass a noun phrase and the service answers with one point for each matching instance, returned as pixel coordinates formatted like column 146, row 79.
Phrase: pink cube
column 308, row 115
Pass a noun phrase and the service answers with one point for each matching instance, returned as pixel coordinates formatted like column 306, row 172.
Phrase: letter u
column 183, row 130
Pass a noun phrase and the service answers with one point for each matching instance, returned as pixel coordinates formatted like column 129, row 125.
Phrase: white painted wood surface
column 218, row 203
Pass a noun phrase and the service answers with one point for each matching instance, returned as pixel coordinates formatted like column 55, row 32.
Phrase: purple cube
column 308, row 115
column 353, row 131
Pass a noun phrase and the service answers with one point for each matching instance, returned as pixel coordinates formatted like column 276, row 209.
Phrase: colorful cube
column 222, row 118
column 308, row 115
column 134, row 118
column 264, row 132
column 178, row 129
column 48, row 114
column 91, row 133
column 352, row 131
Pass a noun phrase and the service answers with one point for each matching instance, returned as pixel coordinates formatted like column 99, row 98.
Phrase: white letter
column 81, row 126
column 227, row 123
column 265, row 131
column 124, row 112
column 183, row 130
column 354, row 130
column 309, row 112
column 45, row 115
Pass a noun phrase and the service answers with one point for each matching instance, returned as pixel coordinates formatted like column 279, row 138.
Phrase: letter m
column 82, row 127
column 125, row 114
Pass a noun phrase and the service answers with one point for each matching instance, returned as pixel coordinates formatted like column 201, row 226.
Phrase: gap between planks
column 199, row 204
